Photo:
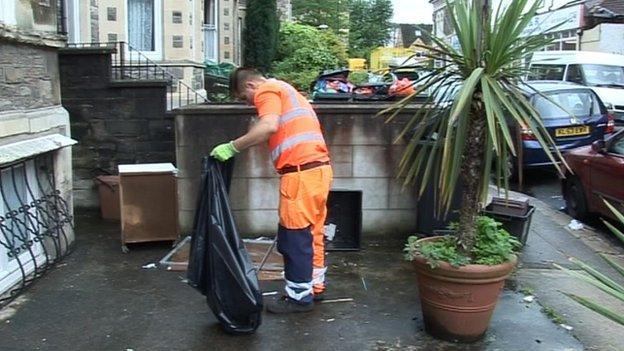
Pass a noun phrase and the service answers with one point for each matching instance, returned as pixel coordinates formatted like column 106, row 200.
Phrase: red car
column 598, row 174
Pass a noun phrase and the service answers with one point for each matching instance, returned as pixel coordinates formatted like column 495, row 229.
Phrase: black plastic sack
column 219, row 266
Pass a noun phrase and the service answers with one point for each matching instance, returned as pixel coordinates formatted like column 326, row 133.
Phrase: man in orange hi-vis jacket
column 299, row 154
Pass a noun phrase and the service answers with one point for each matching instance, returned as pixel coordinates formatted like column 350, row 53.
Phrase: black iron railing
column 129, row 63
column 34, row 223
column 61, row 17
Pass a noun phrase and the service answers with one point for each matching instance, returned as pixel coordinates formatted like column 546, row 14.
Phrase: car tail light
column 610, row 124
column 527, row 135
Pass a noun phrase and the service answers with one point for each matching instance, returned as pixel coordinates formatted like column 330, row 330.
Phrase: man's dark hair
column 240, row 76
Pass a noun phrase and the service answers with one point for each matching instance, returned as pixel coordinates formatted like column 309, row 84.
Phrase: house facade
column 36, row 217
column 590, row 25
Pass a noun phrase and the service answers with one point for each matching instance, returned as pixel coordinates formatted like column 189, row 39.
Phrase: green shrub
column 493, row 245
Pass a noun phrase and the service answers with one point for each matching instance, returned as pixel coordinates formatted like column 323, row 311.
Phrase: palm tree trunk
column 471, row 170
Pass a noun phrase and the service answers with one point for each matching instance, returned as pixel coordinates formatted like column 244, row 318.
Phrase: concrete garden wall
column 362, row 150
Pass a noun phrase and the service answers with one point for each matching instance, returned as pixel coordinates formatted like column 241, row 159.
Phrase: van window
column 577, row 103
column 546, row 72
column 604, row 75
column 574, row 74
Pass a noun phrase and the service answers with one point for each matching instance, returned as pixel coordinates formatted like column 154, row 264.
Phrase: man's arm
column 259, row 132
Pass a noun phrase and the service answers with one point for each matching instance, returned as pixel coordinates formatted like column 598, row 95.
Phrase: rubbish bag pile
column 219, row 266
column 335, row 85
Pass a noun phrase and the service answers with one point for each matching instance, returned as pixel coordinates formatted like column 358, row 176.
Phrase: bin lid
column 147, row 168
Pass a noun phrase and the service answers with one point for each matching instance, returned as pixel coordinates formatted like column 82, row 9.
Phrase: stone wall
column 28, row 76
column 363, row 154
column 115, row 122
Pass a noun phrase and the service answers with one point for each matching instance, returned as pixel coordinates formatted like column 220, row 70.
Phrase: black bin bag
column 219, row 266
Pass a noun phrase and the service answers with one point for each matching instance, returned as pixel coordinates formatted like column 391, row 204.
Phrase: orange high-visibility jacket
column 298, row 139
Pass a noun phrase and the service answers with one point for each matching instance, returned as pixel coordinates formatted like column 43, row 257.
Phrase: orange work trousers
column 303, row 204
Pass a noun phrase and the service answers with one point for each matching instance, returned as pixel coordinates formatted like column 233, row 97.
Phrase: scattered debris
column 527, row 291
column 364, row 284
column 557, row 197
column 269, row 293
column 348, row 299
column 575, row 225
column 566, row 327
column 529, row 299
column 150, row 266
column 330, row 320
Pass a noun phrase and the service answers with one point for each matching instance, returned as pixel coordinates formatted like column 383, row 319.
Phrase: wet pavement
column 102, row 299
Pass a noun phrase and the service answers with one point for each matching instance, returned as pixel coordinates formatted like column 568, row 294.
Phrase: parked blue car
column 591, row 120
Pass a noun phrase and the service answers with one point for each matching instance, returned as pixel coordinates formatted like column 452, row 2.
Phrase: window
column 618, row 147
column 178, row 41
column 578, row 103
column 141, row 23
column 226, row 12
column 604, row 75
column 176, row 17
column 226, row 26
column 209, row 12
column 111, row 13
column 226, row 55
column 226, row 40
column 546, row 72
column 112, row 37
column 574, row 74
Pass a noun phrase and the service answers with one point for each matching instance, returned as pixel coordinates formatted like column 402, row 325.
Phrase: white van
column 602, row 72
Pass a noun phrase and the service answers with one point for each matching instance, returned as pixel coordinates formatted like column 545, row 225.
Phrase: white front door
column 144, row 27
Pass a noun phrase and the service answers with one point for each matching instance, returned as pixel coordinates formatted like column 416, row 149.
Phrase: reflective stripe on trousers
column 298, row 291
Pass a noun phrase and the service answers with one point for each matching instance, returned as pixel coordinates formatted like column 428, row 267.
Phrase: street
column 545, row 185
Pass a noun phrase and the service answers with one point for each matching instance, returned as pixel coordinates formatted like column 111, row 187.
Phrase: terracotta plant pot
column 457, row 302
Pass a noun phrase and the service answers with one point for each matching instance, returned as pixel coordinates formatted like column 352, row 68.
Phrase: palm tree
column 476, row 96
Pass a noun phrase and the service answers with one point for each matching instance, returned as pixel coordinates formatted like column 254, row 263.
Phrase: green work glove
column 224, row 151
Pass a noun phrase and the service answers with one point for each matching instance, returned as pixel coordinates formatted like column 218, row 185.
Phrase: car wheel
column 575, row 198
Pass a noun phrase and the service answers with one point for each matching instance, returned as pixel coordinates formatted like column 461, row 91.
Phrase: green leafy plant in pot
column 463, row 131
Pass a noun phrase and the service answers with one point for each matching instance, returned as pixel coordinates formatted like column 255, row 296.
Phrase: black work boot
column 287, row 305
column 319, row 296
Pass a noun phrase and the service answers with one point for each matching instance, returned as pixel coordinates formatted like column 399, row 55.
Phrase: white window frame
column 10, row 273
column 157, row 54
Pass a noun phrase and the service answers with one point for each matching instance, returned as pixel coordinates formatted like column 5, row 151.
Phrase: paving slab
column 101, row 299
column 595, row 331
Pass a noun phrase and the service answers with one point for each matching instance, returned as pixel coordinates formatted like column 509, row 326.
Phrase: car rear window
column 577, row 103
column 546, row 72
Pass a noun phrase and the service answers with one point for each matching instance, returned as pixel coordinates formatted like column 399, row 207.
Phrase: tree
column 260, row 34
column 480, row 97
column 369, row 26
column 304, row 51
column 332, row 13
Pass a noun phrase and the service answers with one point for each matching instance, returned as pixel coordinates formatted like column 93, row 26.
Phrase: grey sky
column 412, row 11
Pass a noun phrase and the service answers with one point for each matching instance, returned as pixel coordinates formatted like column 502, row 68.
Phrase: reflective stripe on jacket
column 299, row 139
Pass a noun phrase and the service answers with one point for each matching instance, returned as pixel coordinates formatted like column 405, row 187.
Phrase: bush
column 493, row 245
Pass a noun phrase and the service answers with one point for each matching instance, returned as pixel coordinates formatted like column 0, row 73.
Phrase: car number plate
column 571, row 131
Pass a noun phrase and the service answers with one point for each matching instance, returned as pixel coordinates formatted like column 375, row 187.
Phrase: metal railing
column 34, row 223
column 129, row 63
column 61, row 17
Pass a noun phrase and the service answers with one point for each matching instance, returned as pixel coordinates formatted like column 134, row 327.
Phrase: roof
column 609, row 8
column 577, row 57
column 551, row 85
column 409, row 33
